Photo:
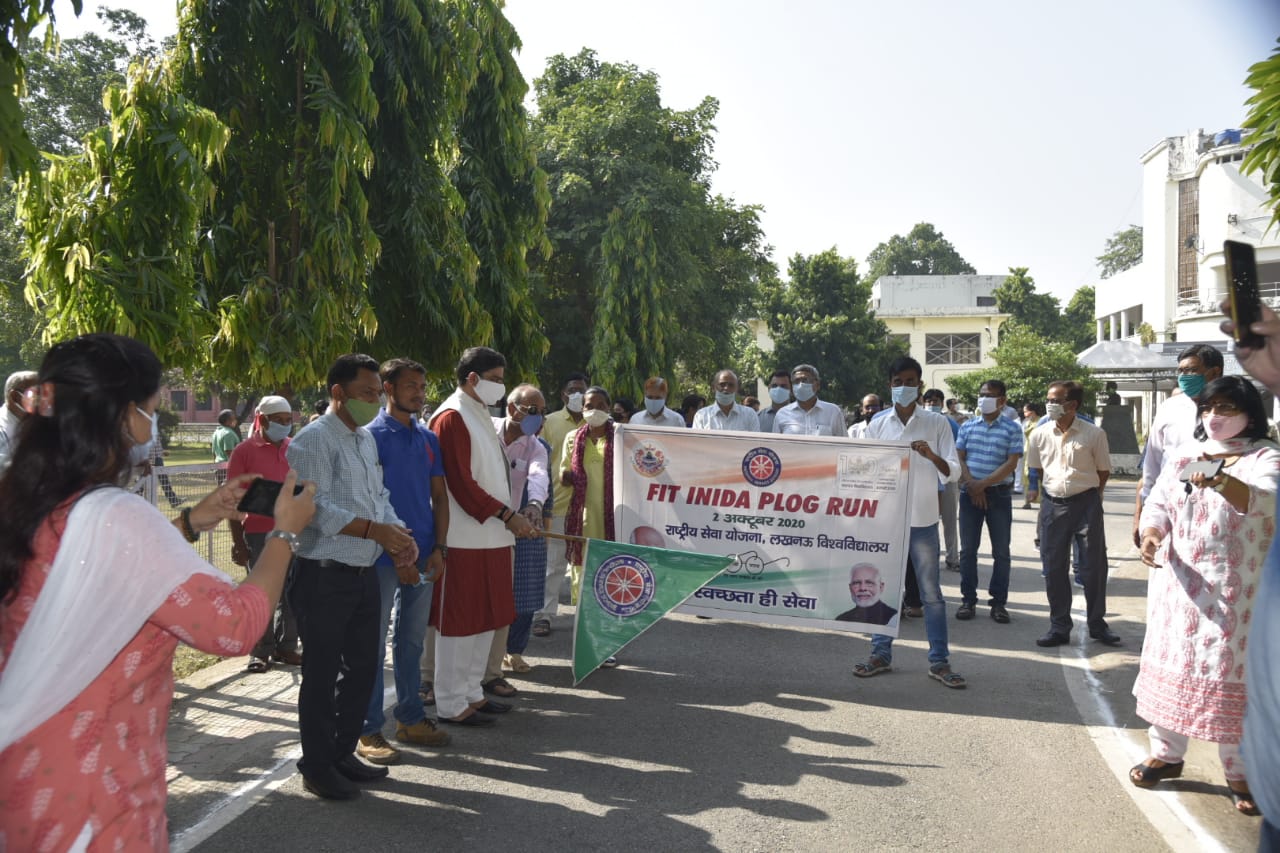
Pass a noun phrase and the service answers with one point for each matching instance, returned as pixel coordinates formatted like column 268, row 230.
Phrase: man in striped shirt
column 990, row 448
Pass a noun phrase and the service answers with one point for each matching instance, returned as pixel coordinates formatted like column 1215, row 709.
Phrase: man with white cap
column 264, row 453
column 14, row 387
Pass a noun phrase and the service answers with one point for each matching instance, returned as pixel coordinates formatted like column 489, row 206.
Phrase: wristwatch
column 290, row 538
column 1222, row 486
column 443, row 549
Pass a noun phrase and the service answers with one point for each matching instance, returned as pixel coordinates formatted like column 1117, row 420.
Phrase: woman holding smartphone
column 1205, row 536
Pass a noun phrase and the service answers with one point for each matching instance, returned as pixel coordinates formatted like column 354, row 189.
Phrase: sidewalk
column 721, row 735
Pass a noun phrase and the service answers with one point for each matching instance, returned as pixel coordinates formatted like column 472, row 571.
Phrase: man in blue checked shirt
column 990, row 448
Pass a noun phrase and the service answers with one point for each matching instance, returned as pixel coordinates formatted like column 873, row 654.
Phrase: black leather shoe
column 1107, row 637
column 357, row 771
column 492, row 706
column 1053, row 638
column 965, row 612
column 999, row 614
column 469, row 720
column 330, row 784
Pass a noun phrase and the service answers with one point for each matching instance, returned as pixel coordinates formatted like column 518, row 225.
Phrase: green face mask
column 361, row 412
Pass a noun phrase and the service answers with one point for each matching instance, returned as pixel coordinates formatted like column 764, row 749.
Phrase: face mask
column 140, row 453
column 725, row 399
column 1191, row 384
column 1222, row 427
column 574, row 403
column 987, row 405
column 1055, row 411
column 934, row 409
column 531, row 424
column 904, row 395
column 595, row 418
column 804, row 391
column 490, row 392
column 277, row 433
column 654, row 407
column 779, row 395
column 361, row 412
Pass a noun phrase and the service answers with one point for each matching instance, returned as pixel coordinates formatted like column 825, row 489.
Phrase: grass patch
column 188, row 454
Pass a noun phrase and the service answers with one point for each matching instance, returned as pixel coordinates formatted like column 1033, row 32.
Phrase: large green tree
column 1124, row 250
column 648, row 271
column 1036, row 312
column 18, row 20
column 1026, row 363
column 1264, row 118
column 821, row 316
column 922, row 251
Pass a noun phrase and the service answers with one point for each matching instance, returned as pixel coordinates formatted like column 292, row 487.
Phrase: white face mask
column 779, row 395
column 936, row 409
column 595, row 418
column 725, row 398
column 490, row 392
column 574, row 403
column 141, row 452
column 804, row 391
column 1055, row 411
column 987, row 405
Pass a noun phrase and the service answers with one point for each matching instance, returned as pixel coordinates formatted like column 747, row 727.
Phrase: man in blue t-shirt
column 413, row 472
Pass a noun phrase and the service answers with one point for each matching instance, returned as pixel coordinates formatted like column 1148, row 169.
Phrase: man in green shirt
column 225, row 437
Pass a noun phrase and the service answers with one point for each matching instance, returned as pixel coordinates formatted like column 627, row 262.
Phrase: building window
column 178, row 401
column 986, row 301
column 204, row 403
column 952, row 349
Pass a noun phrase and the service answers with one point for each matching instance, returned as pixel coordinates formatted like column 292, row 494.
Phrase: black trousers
column 282, row 629
column 337, row 611
column 1059, row 522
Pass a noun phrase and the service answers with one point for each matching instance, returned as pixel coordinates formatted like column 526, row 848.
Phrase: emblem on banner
column 761, row 466
column 649, row 460
column 624, row 585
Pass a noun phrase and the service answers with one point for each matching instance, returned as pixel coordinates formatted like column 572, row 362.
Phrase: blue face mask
column 804, row 391
column 277, row 433
column 725, row 398
column 904, row 395
column 1191, row 384
column 779, row 395
column 531, row 424
column 655, row 407
column 140, row 453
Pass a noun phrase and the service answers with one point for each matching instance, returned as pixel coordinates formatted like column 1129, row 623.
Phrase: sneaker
column 965, row 612
column 422, row 733
column 375, row 750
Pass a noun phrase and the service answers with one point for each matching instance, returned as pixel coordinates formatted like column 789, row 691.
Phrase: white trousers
column 460, row 663
column 492, row 667
column 1170, row 747
column 556, row 565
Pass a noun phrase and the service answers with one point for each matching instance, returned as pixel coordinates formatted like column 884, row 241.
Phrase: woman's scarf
column 578, row 473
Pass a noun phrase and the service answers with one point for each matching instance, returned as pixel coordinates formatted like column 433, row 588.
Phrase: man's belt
column 336, row 566
column 1071, row 498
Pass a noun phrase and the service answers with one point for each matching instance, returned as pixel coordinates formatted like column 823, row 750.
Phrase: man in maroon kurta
column 475, row 595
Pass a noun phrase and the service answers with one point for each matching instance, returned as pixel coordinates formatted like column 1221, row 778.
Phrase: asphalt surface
column 718, row 735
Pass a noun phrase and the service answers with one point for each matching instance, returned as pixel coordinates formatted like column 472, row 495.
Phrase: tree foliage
column 821, row 317
column 18, row 19
column 1264, row 118
column 1124, row 250
column 1036, row 312
column 647, row 269
column 923, row 251
column 1026, row 363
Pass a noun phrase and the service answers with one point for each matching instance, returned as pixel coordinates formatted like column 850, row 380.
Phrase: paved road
column 717, row 735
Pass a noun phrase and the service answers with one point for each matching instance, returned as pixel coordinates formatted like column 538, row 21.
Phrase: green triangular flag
column 626, row 589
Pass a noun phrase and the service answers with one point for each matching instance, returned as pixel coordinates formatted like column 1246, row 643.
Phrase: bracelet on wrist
column 368, row 525
column 188, row 532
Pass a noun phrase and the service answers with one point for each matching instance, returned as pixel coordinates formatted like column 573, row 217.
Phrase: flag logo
column 648, row 460
column 761, row 467
column 624, row 585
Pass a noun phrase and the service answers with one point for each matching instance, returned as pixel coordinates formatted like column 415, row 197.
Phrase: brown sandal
column 1242, row 799
column 499, row 687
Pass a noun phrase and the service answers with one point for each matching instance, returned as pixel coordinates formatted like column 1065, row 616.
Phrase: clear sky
column 1014, row 127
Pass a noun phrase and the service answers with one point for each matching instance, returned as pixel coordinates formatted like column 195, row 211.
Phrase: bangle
column 1222, row 486
column 506, row 514
column 368, row 525
column 188, row 532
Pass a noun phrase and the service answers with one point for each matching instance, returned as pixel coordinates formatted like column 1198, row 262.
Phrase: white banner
column 819, row 525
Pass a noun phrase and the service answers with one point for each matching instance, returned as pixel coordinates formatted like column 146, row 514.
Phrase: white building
column 950, row 322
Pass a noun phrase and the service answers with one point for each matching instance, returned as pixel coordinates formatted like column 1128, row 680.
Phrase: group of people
column 465, row 527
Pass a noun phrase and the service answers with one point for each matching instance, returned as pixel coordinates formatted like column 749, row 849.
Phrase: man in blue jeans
column 990, row 450
column 413, row 472
column 933, row 457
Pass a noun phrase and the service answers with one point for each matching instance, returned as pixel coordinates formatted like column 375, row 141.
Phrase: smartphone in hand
column 260, row 497
column 1209, row 467
column 1242, row 291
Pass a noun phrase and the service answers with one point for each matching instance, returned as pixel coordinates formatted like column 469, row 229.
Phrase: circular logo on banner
column 761, row 466
column 648, row 460
column 624, row 585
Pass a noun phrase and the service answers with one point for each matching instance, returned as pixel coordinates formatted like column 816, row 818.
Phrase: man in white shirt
column 808, row 415
column 934, row 459
column 726, row 412
column 779, row 396
column 871, row 406
column 655, row 411
column 1176, row 419
column 14, row 388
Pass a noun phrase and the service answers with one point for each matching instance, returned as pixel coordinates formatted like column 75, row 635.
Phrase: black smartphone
column 1242, row 291
column 1209, row 467
column 260, row 497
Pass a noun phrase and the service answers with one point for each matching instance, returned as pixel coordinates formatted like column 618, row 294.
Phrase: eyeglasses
column 529, row 410
column 1225, row 408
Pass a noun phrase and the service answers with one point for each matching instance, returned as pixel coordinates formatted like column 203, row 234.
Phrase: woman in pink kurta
column 96, row 590
column 1206, row 539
